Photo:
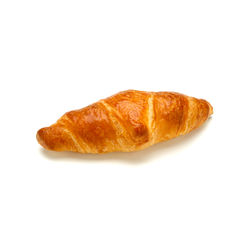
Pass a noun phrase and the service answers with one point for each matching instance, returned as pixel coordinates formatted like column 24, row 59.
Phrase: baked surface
column 127, row 121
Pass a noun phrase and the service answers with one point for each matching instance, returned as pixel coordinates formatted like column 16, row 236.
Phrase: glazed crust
column 128, row 121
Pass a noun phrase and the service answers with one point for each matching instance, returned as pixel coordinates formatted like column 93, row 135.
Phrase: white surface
column 189, row 193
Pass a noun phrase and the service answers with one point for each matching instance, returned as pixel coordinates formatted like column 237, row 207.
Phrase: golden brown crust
column 170, row 114
column 128, row 121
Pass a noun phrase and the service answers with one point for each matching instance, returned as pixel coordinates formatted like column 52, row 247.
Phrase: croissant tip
column 40, row 136
column 211, row 110
column 55, row 138
column 209, row 106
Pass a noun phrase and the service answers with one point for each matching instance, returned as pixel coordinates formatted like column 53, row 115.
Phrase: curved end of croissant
column 41, row 138
column 55, row 138
column 211, row 110
column 206, row 106
column 48, row 138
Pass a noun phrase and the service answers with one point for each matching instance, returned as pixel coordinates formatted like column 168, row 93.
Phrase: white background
column 189, row 193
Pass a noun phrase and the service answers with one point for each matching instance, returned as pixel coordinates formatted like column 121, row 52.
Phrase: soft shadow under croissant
column 128, row 121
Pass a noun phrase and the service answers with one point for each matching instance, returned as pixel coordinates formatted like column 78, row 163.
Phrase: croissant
column 127, row 121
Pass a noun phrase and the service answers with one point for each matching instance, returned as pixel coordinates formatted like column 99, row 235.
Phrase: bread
column 128, row 121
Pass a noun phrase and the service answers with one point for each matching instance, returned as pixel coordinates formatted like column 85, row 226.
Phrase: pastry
column 127, row 121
